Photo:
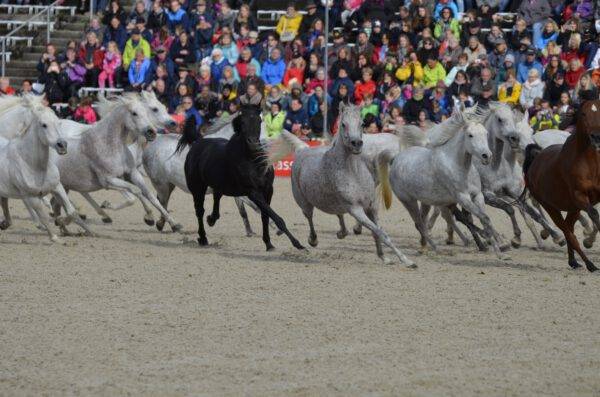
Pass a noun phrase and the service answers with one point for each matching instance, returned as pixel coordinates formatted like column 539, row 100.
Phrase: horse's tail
column 285, row 144
column 531, row 151
column 189, row 134
column 383, row 174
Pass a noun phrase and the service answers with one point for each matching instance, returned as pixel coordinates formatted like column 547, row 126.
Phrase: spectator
column 495, row 37
column 230, row 79
column 68, row 112
column 585, row 90
column 5, row 88
column 97, row 28
column 528, row 64
column 451, row 51
column 26, row 87
column 432, row 73
column 518, row 34
column 252, row 77
column 312, row 14
column 566, row 112
column 363, row 47
column 176, row 16
column 253, row 44
column 110, row 64
column 207, row 103
column 48, row 56
column 157, row 17
column 475, row 49
column 289, row 24
column 140, row 24
column 252, row 97
column 138, row 69
column 85, row 113
column 532, row 88
column 161, row 59
column 415, row 105
column 316, row 121
column 218, row 64
column 552, row 68
column 271, row 44
column 75, row 73
column 550, row 33
column 230, row 50
column 115, row 10
column 273, row 69
column 342, row 78
column 116, row 32
column 274, row 121
column 91, row 56
column 139, row 13
column 203, row 35
column 554, row 88
column 574, row 72
column 341, row 96
column 135, row 43
column 510, row 91
column 296, row 117
column 295, row 72
column 496, row 58
column 225, row 18
column 482, row 83
column 244, row 18
column 190, row 111
column 447, row 22
column 365, row 86
column 314, row 100
column 182, row 51
column 55, row 83
column 369, row 107
column 160, row 89
column 162, row 39
column 244, row 61
column 544, row 119
column 535, row 12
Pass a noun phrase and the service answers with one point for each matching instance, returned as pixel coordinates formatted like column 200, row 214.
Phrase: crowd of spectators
column 404, row 62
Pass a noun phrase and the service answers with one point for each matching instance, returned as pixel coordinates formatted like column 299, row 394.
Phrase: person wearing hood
column 446, row 22
column 176, row 15
column 437, row 13
column 528, row 64
column 218, row 64
column 116, row 32
column 274, row 120
column 433, row 72
column 296, row 117
column 532, row 88
column 273, row 69
column 504, row 67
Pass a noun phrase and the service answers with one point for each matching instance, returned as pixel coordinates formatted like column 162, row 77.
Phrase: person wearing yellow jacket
column 510, row 91
column 433, row 72
column 274, row 121
column 133, row 44
column 289, row 24
column 410, row 68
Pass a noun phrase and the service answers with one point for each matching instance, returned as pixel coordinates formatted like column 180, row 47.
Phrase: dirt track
column 140, row 312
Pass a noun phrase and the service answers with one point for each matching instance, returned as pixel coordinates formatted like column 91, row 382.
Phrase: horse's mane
column 9, row 102
column 441, row 133
column 219, row 124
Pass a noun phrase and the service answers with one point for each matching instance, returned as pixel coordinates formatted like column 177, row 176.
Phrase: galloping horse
column 567, row 178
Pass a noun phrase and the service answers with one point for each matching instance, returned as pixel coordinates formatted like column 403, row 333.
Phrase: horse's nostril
column 484, row 156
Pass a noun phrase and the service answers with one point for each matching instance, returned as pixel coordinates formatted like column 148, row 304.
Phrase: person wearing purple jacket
column 75, row 72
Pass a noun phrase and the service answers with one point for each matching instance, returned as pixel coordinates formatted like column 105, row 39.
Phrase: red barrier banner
column 283, row 168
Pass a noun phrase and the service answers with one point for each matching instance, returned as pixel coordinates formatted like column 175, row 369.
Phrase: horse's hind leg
column 312, row 237
column 61, row 194
column 247, row 202
column 567, row 227
column 343, row 232
column 539, row 217
column 104, row 216
column 359, row 214
column 242, row 210
column 589, row 231
column 447, row 215
column 198, row 193
column 417, row 216
column 530, row 225
column 129, row 201
column 494, row 201
column 163, row 195
column 7, row 222
column 212, row 218
column 463, row 218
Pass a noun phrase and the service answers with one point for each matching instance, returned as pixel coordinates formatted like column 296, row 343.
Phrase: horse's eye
column 470, row 135
column 134, row 114
column 155, row 110
column 44, row 125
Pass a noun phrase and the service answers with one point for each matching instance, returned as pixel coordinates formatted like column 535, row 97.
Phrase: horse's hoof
column 587, row 243
column 270, row 248
column 313, row 242
column 4, row 225
column 504, row 247
column 516, row 242
column 56, row 240
column 106, row 219
column 250, row 234
column 297, row 245
column 279, row 232
column 590, row 266
column 504, row 258
column 449, row 241
column 210, row 220
column 149, row 221
column 560, row 241
column 386, row 261
column 160, row 224
column 202, row 241
column 341, row 234
column 106, row 205
column 544, row 234
column 574, row 264
column 357, row 229
column 412, row 266
column 84, row 217
column 177, row 228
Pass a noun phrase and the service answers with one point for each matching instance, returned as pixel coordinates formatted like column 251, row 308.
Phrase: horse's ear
column 459, row 113
column 237, row 124
column 526, row 116
column 145, row 94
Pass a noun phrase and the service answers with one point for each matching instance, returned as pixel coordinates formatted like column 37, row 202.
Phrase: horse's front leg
column 258, row 199
column 212, row 218
column 496, row 202
column 36, row 204
column 103, row 215
column 61, row 194
column 7, row 222
column 138, row 180
column 244, row 200
column 451, row 224
column 359, row 214
column 343, row 232
column 242, row 211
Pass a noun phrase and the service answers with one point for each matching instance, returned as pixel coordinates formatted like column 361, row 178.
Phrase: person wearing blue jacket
column 296, row 117
column 161, row 58
column 342, row 78
column 177, row 16
column 437, row 13
column 218, row 64
column 191, row 111
column 138, row 69
column 529, row 63
column 116, row 32
column 273, row 69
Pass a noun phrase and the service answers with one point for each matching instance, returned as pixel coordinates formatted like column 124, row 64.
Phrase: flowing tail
column 189, row 135
column 383, row 174
column 531, row 151
column 285, row 144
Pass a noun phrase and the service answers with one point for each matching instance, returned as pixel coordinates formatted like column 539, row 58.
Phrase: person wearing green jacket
column 136, row 41
column 274, row 121
column 369, row 107
column 447, row 21
column 433, row 72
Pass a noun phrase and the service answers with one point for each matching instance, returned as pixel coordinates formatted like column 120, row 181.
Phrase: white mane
column 441, row 133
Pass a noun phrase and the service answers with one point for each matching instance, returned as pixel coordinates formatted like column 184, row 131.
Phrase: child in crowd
column 85, row 112
column 110, row 64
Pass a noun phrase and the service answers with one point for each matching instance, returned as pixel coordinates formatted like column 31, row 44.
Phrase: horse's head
column 588, row 122
column 247, row 126
column 350, row 128
column 157, row 111
column 476, row 141
column 502, row 124
column 525, row 131
column 138, row 116
column 45, row 124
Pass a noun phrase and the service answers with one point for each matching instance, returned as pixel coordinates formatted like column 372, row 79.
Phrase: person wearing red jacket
column 91, row 56
column 366, row 86
column 294, row 72
column 574, row 73
column 5, row 88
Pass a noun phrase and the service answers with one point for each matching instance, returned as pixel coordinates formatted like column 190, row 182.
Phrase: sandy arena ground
column 138, row 312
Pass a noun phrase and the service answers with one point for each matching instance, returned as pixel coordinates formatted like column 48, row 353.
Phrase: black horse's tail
column 531, row 151
column 189, row 134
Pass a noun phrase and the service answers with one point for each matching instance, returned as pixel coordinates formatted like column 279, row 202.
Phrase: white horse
column 336, row 179
column 443, row 175
column 100, row 159
column 26, row 169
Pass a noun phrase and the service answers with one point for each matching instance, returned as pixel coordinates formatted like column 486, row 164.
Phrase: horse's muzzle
column 485, row 158
column 61, row 146
column 357, row 145
column 514, row 141
column 595, row 140
column 150, row 134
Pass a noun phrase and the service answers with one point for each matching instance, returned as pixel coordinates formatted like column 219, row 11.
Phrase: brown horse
column 567, row 177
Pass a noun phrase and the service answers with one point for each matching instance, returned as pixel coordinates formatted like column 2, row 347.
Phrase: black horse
column 235, row 167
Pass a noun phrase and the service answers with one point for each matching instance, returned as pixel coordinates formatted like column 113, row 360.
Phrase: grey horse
column 336, row 179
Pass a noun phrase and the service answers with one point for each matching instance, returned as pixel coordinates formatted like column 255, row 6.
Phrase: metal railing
column 31, row 8
column 47, row 10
